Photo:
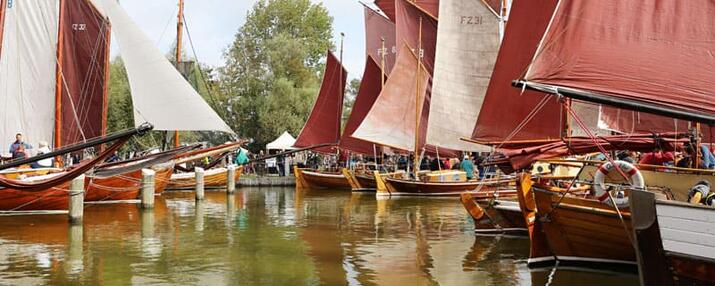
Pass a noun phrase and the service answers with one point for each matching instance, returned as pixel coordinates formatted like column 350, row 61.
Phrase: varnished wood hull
column 400, row 187
column 490, row 216
column 56, row 198
column 674, row 241
column 580, row 233
column 213, row 178
column 321, row 180
column 125, row 186
column 366, row 181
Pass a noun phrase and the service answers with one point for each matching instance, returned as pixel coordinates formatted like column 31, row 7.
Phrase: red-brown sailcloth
column 652, row 51
column 323, row 125
column 370, row 87
column 506, row 107
column 85, row 51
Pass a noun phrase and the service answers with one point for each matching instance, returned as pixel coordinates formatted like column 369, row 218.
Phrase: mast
column 418, row 110
column 342, row 91
column 382, row 63
column 58, row 78
column 3, row 6
column 179, row 29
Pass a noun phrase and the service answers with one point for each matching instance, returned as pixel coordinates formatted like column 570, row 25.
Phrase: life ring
column 635, row 178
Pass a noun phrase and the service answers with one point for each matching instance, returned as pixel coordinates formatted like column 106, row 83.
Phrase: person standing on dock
column 468, row 167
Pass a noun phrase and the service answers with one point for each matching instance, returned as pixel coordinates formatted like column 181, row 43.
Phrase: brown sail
column 505, row 107
column 377, row 29
column 370, row 87
column 650, row 52
column 429, row 6
column 84, row 47
column 323, row 125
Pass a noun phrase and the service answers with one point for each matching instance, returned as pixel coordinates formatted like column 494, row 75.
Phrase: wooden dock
column 266, row 181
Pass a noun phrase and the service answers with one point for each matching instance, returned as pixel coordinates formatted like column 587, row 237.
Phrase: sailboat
column 380, row 50
column 323, row 127
column 596, row 230
column 161, row 95
column 53, row 62
column 419, row 97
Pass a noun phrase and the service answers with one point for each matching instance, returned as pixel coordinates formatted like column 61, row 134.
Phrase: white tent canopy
column 283, row 142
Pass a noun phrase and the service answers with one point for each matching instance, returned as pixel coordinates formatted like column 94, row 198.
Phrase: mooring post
column 199, row 183
column 231, row 182
column 76, row 207
column 148, row 184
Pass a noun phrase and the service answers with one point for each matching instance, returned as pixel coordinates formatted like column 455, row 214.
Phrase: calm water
column 271, row 236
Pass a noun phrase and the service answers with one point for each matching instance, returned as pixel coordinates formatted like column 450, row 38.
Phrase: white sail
column 468, row 42
column 161, row 96
column 27, row 71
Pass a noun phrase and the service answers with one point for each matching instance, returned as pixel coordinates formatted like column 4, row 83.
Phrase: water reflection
column 268, row 237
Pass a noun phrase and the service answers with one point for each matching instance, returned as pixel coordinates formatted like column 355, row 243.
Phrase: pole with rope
column 179, row 30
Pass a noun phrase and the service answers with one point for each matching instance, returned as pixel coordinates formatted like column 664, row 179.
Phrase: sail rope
column 201, row 72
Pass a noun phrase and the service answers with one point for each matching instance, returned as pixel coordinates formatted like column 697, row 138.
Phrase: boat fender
column 699, row 191
column 634, row 177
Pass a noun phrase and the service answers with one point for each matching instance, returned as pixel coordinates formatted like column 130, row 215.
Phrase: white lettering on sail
column 471, row 20
column 79, row 27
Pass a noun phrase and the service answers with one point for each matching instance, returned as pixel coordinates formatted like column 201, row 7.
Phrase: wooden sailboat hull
column 213, row 178
column 125, row 186
column 55, row 198
column 401, row 187
column 674, row 241
column 320, row 180
column 580, row 233
column 495, row 216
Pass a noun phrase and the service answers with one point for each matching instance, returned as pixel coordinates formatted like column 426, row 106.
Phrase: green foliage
column 350, row 96
column 272, row 71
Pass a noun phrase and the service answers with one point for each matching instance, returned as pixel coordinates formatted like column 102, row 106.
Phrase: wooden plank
column 687, row 225
column 688, row 248
column 703, row 239
column 685, row 212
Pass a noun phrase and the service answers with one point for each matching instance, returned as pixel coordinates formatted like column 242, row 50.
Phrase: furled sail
column 27, row 70
column 370, row 87
column 391, row 120
column 467, row 48
column 161, row 96
column 323, row 125
column 377, row 28
column 504, row 107
column 651, row 52
column 83, row 73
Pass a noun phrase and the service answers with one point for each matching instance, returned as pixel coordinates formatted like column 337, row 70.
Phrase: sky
column 212, row 25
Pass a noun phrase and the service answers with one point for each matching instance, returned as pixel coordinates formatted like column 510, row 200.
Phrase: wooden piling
column 199, row 172
column 76, row 207
column 231, row 181
column 148, row 188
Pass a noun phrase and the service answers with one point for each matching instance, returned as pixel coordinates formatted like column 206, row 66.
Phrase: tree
column 273, row 68
column 351, row 94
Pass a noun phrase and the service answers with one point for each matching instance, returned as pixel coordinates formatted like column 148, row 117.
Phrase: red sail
column 518, row 159
column 323, row 125
column 377, row 27
column 408, row 30
column 629, row 122
column 85, row 58
column 651, row 51
column 505, row 107
column 429, row 6
column 370, row 87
